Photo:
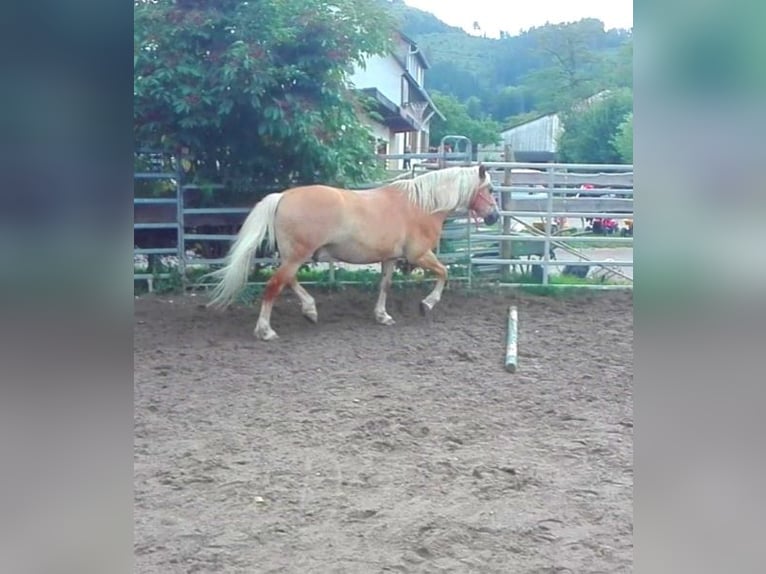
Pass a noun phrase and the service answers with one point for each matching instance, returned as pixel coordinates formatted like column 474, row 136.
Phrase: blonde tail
column 233, row 275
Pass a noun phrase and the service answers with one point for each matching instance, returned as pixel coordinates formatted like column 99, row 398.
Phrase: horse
column 398, row 220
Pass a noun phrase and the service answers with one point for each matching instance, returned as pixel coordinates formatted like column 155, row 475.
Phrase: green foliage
column 413, row 21
column 511, row 102
column 572, row 69
column 543, row 69
column 623, row 139
column 590, row 129
column 256, row 92
column 460, row 63
column 620, row 66
column 174, row 283
column 458, row 121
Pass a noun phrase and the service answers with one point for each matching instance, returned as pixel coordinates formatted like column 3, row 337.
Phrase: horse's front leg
column 387, row 272
column 429, row 261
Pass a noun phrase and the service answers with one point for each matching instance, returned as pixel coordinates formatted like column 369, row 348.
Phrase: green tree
column 589, row 129
column 620, row 66
column 623, row 139
column 459, row 122
column 510, row 101
column 544, row 69
column 474, row 108
column 256, row 91
column 574, row 68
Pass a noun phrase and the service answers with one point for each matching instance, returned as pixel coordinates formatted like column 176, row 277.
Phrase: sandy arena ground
column 349, row 447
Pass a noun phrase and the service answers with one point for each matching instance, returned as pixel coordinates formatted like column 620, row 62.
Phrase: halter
column 475, row 202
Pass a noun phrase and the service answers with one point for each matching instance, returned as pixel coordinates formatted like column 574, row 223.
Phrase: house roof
column 418, row 53
column 422, row 91
column 527, row 122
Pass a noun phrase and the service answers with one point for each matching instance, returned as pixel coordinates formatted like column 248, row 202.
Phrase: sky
column 513, row 17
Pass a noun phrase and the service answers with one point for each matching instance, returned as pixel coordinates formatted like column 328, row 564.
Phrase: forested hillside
column 500, row 82
column 538, row 70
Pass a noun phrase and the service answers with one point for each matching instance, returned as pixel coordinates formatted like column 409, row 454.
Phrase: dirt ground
column 349, row 447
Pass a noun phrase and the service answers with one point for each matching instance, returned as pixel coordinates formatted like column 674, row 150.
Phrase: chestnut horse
column 399, row 220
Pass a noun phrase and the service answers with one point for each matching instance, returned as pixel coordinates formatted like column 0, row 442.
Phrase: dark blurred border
column 65, row 296
column 700, row 114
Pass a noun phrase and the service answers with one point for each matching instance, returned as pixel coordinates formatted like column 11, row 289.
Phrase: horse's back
column 310, row 198
column 314, row 191
column 317, row 198
column 311, row 208
column 354, row 226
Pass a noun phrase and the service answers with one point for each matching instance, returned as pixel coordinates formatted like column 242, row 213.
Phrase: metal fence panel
column 547, row 193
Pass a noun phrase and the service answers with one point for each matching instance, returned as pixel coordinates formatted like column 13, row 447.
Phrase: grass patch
column 173, row 283
column 607, row 243
column 569, row 289
column 366, row 279
column 559, row 285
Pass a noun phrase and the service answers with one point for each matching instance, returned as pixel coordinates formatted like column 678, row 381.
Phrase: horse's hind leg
column 308, row 305
column 284, row 276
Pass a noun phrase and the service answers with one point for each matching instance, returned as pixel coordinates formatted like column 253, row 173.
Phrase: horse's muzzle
column 492, row 217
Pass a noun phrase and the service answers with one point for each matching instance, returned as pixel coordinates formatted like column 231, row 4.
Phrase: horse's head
column 483, row 202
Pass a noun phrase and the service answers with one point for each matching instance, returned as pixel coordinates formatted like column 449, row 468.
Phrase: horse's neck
column 437, row 219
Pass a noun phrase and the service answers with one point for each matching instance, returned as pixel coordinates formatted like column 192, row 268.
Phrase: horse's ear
column 482, row 171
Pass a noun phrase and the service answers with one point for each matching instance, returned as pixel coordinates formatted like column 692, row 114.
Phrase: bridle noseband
column 477, row 200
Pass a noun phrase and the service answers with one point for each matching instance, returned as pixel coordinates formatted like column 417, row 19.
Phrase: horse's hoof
column 265, row 334
column 425, row 308
column 386, row 320
column 311, row 316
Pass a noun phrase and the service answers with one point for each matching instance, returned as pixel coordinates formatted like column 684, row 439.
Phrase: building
column 537, row 140
column 395, row 82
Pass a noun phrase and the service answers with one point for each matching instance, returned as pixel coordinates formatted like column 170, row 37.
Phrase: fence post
column 506, row 249
column 180, row 220
column 469, row 248
column 468, row 152
column 548, row 219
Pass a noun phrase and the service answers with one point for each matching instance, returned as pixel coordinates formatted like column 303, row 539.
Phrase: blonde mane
column 449, row 189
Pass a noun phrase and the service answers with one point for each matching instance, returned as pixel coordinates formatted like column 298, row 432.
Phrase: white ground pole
column 511, row 351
